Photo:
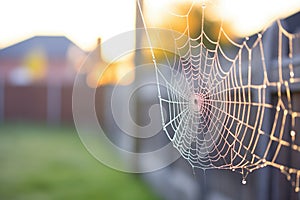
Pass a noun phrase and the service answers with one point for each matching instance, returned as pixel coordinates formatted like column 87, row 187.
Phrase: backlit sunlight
column 85, row 21
column 245, row 17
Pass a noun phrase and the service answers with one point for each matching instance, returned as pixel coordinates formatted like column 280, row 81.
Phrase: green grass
column 41, row 162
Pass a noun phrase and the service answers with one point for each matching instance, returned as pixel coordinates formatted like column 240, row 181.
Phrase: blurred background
column 43, row 45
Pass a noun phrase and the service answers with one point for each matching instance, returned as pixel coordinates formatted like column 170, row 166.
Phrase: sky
column 83, row 21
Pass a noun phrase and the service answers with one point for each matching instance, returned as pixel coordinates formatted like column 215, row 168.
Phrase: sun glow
column 243, row 17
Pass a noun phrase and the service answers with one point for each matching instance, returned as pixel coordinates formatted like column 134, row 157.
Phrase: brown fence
column 31, row 103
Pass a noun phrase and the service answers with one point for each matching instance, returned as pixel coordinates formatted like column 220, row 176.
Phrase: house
column 36, row 79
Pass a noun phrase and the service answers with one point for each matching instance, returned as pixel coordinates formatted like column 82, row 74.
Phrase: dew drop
column 278, row 108
column 244, row 181
column 292, row 133
column 259, row 35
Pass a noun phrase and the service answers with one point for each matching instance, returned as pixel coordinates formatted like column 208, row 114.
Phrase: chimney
column 99, row 48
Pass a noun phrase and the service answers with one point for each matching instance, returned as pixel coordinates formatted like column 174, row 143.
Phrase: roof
column 55, row 47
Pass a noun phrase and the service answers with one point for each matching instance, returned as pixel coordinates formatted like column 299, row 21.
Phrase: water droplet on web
column 292, row 133
column 244, row 181
column 259, row 35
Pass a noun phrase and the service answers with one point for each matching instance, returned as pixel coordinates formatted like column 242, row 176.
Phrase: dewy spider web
column 231, row 106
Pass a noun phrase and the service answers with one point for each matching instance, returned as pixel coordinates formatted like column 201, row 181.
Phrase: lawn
column 42, row 162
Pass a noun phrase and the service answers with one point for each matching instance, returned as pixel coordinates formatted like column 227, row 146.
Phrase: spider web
column 230, row 104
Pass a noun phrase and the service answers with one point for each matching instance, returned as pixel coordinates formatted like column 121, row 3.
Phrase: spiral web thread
column 232, row 108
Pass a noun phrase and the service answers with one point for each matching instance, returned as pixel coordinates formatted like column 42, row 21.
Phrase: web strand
column 217, row 96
